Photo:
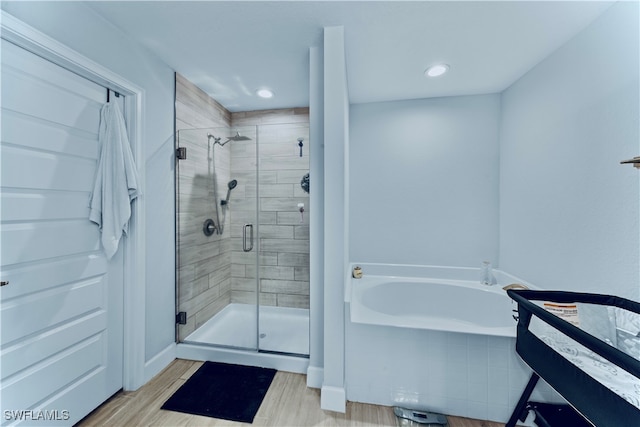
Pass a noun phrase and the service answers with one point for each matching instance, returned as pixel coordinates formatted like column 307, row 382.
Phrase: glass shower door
column 284, row 238
column 217, row 245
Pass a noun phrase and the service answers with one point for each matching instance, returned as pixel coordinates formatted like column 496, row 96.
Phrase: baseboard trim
column 315, row 376
column 158, row 362
column 280, row 362
column 333, row 399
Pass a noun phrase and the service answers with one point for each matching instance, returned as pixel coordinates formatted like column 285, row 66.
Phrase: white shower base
column 282, row 329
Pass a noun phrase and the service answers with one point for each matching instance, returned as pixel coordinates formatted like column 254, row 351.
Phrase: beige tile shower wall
column 204, row 263
column 284, row 232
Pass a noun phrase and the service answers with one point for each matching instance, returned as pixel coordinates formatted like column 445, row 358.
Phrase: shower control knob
column 209, row 227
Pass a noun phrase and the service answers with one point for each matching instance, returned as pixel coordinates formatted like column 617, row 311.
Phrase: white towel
column 116, row 183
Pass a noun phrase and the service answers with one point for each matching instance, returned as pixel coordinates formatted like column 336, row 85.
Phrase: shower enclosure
column 243, row 238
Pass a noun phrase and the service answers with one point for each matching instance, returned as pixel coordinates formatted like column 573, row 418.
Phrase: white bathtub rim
column 453, row 276
column 443, row 274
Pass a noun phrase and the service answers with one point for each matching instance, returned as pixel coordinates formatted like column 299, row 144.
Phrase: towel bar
column 635, row 161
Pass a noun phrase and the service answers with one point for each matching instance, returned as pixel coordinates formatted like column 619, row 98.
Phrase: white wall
column 315, row 372
column 336, row 231
column 424, row 181
column 79, row 27
column 569, row 210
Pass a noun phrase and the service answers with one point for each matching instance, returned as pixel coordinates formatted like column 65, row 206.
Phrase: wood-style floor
column 288, row 403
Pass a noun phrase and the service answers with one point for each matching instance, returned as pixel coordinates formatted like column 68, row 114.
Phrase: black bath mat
column 220, row 390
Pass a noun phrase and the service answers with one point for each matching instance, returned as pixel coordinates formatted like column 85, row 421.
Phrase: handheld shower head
column 231, row 185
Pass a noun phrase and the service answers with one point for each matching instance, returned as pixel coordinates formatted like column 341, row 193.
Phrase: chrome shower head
column 238, row 137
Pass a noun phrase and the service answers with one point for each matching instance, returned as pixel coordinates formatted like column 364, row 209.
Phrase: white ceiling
column 231, row 48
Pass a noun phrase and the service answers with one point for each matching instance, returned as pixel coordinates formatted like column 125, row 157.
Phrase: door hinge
column 181, row 318
column 181, row 153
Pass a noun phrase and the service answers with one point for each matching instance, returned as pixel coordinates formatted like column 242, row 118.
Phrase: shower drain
column 263, row 335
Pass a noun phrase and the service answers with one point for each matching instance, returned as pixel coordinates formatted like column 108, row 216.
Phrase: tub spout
column 486, row 274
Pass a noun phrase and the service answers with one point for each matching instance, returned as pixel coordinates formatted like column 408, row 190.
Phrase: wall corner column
column 336, row 242
column 315, row 372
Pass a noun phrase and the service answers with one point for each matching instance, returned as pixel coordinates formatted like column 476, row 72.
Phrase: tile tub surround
column 465, row 375
column 284, row 233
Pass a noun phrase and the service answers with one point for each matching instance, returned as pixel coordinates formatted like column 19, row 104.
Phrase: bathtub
column 436, row 304
column 434, row 338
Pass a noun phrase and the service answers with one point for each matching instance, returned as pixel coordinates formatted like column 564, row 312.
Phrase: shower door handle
column 245, row 247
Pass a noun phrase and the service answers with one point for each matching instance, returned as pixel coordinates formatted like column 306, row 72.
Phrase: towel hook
column 117, row 94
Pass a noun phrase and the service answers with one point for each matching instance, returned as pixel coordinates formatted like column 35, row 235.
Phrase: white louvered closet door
column 61, row 329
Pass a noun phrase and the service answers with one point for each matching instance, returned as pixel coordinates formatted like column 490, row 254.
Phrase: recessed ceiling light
column 436, row 70
column 264, row 93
